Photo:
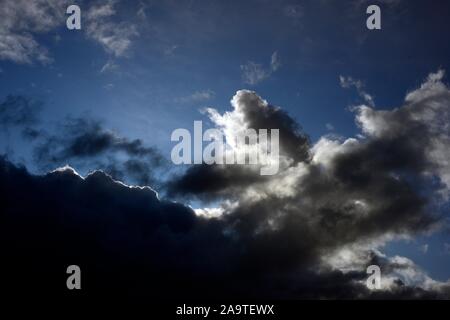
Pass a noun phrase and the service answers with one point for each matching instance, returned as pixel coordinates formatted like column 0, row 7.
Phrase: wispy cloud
column 197, row 96
column 275, row 62
column 349, row 82
column 424, row 248
column 108, row 86
column 109, row 66
column 254, row 73
column 294, row 12
column 115, row 37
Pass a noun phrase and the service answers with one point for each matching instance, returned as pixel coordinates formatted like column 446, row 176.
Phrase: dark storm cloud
column 126, row 240
column 67, row 218
column 205, row 180
column 260, row 115
column 84, row 138
column 83, row 141
column 208, row 181
column 346, row 193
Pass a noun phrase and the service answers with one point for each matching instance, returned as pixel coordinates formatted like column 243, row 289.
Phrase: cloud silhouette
column 308, row 232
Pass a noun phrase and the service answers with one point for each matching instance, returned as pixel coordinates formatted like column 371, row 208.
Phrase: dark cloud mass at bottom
column 307, row 232
column 131, row 244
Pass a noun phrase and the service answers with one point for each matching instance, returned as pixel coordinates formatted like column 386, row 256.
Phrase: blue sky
column 166, row 60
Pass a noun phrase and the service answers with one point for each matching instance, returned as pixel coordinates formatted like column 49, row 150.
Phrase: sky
column 363, row 118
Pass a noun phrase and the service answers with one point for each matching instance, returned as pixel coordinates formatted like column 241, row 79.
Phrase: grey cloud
column 86, row 138
column 260, row 115
column 115, row 37
column 254, row 73
column 86, row 143
column 208, row 182
column 338, row 193
column 129, row 234
column 256, row 114
column 20, row 21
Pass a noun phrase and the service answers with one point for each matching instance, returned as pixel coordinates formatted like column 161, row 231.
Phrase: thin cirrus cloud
column 349, row 82
column 110, row 66
column 197, row 96
column 254, row 73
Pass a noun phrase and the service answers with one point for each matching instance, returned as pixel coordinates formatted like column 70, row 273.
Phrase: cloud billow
column 354, row 193
column 250, row 112
column 308, row 232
